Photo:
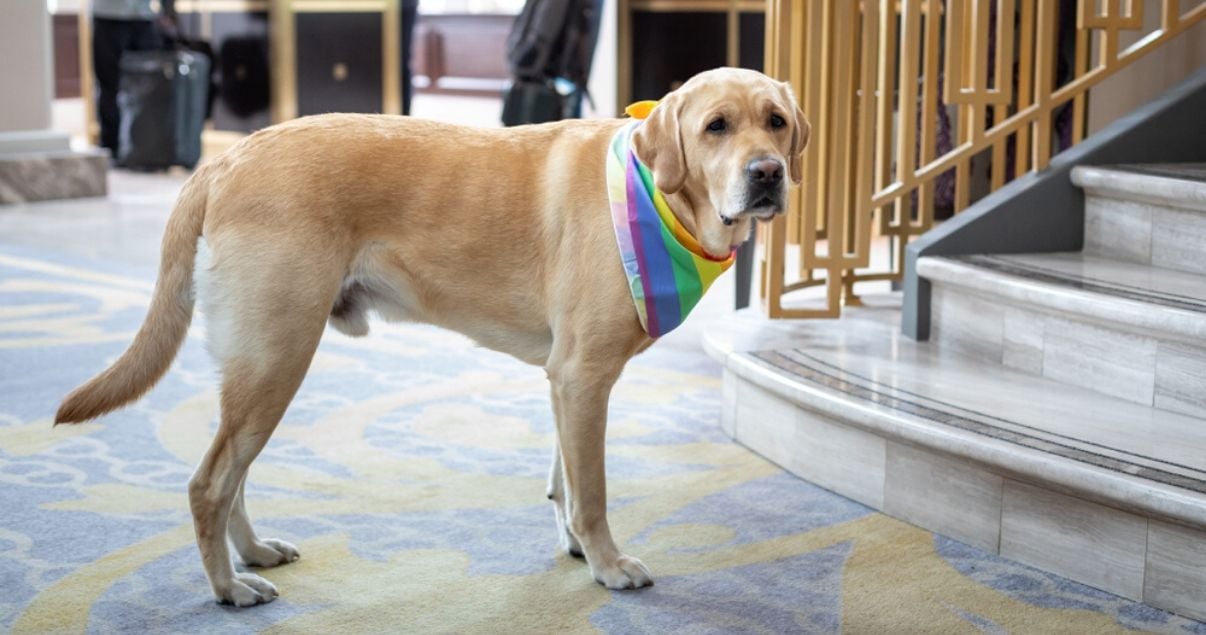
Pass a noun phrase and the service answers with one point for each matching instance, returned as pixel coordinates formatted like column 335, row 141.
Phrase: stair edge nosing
column 1088, row 306
column 1105, row 182
column 1125, row 492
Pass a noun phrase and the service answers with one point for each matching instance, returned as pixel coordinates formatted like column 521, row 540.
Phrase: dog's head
column 726, row 143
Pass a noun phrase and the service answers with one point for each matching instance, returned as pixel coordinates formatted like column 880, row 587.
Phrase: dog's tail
column 167, row 321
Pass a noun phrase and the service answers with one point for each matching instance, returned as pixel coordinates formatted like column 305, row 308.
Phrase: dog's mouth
column 764, row 202
column 763, row 207
column 761, row 204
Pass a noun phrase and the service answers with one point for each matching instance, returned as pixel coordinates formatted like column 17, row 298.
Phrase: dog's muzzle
column 764, row 190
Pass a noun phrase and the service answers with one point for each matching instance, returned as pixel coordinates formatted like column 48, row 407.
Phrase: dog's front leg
column 580, row 393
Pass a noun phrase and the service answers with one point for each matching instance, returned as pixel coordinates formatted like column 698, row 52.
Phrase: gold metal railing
column 878, row 77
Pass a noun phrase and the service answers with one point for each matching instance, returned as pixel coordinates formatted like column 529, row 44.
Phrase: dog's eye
column 777, row 122
column 717, row 125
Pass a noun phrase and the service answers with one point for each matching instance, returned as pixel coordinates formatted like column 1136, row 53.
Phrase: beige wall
column 25, row 66
column 1147, row 78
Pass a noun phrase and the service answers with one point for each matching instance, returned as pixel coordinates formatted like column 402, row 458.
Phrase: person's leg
column 410, row 13
column 108, row 42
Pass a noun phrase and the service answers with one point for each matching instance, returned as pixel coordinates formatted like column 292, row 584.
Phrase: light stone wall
column 26, row 66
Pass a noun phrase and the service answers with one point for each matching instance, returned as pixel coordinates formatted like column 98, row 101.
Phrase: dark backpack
column 550, row 39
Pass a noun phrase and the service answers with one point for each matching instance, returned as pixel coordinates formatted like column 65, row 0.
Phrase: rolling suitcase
column 162, row 96
column 206, row 51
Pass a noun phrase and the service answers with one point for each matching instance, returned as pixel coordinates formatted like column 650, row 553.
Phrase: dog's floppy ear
column 659, row 144
column 799, row 137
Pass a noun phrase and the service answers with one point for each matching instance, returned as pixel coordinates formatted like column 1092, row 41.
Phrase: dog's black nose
column 764, row 171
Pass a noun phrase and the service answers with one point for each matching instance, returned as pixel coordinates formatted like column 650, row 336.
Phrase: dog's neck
column 701, row 218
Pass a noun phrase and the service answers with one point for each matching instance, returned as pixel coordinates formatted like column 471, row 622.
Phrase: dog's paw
column 247, row 589
column 625, row 573
column 270, row 553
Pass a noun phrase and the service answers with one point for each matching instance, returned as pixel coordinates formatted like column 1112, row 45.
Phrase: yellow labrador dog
column 503, row 235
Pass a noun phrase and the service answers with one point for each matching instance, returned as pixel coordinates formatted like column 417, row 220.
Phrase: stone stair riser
column 1166, row 373
column 1154, row 234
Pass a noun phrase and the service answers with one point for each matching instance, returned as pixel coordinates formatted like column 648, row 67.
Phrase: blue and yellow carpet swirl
column 410, row 471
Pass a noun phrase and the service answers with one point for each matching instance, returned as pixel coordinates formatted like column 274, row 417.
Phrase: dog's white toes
column 286, row 549
column 625, row 573
column 248, row 589
column 270, row 553
column 262, row 586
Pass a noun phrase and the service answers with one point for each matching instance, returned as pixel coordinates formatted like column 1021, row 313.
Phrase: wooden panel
column 668, row 48
column 753, row 34
column 240, row 42
column 339, row 62
column 427, row 54
column 66, row 56
column 474, row 46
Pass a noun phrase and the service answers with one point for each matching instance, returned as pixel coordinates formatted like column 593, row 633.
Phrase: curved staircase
column 1057, row 416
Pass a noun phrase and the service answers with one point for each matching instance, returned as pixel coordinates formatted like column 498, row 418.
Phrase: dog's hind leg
column 557, row 494
column 251, row 549
column 266, row 312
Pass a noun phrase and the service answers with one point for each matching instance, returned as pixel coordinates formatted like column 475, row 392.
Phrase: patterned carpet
column 410, row 471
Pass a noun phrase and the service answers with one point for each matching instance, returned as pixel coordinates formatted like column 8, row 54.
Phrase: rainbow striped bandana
column 668, row 271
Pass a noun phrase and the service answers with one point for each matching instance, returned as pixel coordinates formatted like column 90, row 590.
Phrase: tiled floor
column 125, row 227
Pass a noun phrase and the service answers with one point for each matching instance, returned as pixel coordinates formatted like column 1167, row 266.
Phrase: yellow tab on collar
column 640, row 109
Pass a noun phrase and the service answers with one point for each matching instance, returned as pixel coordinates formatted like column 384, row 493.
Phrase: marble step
column 1149, row 214
column 1123, row 329
column 1098, row 489
column 35, row 175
